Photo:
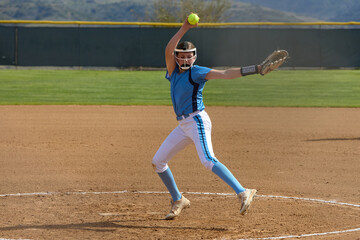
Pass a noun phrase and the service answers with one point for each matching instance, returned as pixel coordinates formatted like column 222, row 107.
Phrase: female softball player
column 187, row 82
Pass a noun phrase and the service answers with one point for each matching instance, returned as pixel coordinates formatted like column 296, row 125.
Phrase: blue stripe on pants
column 202, row 137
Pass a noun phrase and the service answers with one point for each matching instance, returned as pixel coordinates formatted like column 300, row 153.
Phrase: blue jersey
column 186, row 89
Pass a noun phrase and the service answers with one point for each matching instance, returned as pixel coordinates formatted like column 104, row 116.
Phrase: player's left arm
column 230, row 73
column 272, row 62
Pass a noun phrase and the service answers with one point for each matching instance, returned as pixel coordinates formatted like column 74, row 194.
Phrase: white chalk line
column 13, row 239
column 331, row 202
column 302, row 235
column 192, row 193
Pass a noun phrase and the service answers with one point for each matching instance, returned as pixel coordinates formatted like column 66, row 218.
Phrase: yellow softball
column 193, row 19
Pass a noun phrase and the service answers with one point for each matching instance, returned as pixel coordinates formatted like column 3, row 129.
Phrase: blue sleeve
column 167, row 76
column 199, row 73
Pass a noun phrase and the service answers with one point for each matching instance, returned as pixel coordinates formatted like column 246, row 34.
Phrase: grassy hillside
column 245, row 12
column 123, row 10
column 329, row 10
column 67, row 10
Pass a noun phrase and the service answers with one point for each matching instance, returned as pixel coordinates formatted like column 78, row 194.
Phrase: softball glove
column 273, row 61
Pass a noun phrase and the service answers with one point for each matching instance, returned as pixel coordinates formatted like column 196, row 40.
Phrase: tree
column 177, row 11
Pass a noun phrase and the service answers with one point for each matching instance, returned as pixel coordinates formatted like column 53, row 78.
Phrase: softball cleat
column 177, row 207
column 246, row 198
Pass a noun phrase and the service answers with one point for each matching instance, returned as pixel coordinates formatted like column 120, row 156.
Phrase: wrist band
column 253, row 69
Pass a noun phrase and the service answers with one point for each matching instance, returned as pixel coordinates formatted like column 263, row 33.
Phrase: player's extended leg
column 175, row 142
column 202, row 140
column 224, row 173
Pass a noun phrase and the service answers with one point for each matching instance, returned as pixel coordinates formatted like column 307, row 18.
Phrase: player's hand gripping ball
column 193, row 19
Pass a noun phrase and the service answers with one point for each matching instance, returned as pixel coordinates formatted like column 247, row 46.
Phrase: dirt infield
column 77, row 161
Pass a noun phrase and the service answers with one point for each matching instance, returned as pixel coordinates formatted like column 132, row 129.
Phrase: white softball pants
column 197, row 129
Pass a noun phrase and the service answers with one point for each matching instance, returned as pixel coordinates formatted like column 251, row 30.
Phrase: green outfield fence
column 142, row 44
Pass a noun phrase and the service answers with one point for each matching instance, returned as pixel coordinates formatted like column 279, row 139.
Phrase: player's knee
column 158, row 166
column 154, row 164
column 208, row 165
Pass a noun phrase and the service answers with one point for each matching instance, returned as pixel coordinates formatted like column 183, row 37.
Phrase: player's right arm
column 170, row 48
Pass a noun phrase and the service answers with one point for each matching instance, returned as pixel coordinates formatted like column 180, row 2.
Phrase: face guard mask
column 185, row 66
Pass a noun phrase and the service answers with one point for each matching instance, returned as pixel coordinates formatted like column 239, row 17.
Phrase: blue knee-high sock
column 225, row 174
column 170, row 184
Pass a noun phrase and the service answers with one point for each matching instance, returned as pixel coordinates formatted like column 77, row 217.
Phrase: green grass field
column 284, row 88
